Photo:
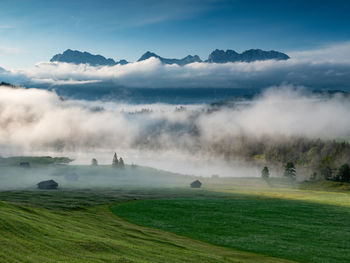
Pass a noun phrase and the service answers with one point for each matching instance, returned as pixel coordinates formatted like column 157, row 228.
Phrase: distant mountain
column 221, row 56
column 181, row 62
column 217, row 56
column 122, row 62
column 78, row 57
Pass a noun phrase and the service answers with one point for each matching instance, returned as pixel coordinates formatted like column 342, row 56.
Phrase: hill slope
column 297, row 230
column 96, row 235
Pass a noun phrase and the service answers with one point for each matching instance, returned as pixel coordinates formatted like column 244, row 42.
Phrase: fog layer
column 33, row 120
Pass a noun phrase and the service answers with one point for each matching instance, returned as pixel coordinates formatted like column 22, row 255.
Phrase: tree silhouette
column 115, row 160
column 289, row 170
column 121, row 163
column 343, row 174
column 265, row 174
column 94, row 162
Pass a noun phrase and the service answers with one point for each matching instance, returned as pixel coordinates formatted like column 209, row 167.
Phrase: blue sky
column 33, row 31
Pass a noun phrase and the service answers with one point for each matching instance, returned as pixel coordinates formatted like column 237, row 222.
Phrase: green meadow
column 146, row 215
column 296, row 230
column 75, row 226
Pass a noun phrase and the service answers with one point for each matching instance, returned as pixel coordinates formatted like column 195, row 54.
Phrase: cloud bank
column 323, row 68
column 39, row 119
column 170, row 137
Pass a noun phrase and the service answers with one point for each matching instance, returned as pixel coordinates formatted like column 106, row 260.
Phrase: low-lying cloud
column 39, row 119
column 323, row 68
column 171, row 137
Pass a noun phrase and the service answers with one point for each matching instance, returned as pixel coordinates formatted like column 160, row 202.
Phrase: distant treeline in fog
column 321, row 156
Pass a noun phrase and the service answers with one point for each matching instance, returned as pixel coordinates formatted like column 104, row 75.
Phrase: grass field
column 92, row 233
column 228, row 220
column 302, row 231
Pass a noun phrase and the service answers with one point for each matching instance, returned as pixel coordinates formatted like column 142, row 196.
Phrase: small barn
column 196, row 184
column 49, row 184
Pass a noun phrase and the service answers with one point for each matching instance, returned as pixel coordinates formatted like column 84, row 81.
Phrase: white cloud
column 335, row 53
column 324, row 68
column 151, row 73
column 282, row 111
column 38, row 118
column 37, row 121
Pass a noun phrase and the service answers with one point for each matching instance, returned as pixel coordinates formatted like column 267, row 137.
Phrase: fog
column 193, row 139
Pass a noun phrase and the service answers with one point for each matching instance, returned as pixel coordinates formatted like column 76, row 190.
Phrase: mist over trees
column 117, row 163
column 238, row 131
column 323, row 157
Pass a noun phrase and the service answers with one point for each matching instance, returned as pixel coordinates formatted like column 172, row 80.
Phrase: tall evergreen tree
column 265, row 173
column 289, row 170
column 121, row 163
column 115, row 160
column 343, row 174
column 94, row 162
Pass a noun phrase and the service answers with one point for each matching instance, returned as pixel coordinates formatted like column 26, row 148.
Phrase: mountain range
column 217, row 56
column 221, row 56
column 186, row 60
column 78, row 57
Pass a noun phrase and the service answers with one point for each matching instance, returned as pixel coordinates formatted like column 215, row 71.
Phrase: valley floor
column 228, row 220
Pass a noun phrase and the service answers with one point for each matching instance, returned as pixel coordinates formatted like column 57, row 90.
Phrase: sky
column 33, row 31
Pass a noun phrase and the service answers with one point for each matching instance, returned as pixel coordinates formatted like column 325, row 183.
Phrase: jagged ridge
column 217, row 56
column 78, row 57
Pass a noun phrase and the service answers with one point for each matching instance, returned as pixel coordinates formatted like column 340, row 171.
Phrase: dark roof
column 196, row 183
column 48, row 182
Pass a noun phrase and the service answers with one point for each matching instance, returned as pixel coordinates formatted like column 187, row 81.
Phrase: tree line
column 341, row 174
column 116, row 163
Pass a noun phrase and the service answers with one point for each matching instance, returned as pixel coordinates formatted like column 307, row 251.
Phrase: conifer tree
column 343, row 174
column 94, row 162
column 289, row 170
column 265, row 174
column 115, row 160
column 121, row 163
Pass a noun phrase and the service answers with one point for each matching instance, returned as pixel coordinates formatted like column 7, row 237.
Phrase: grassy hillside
column 75, row 224
column 33, row 160
column 302, row 231
column 94, row 234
